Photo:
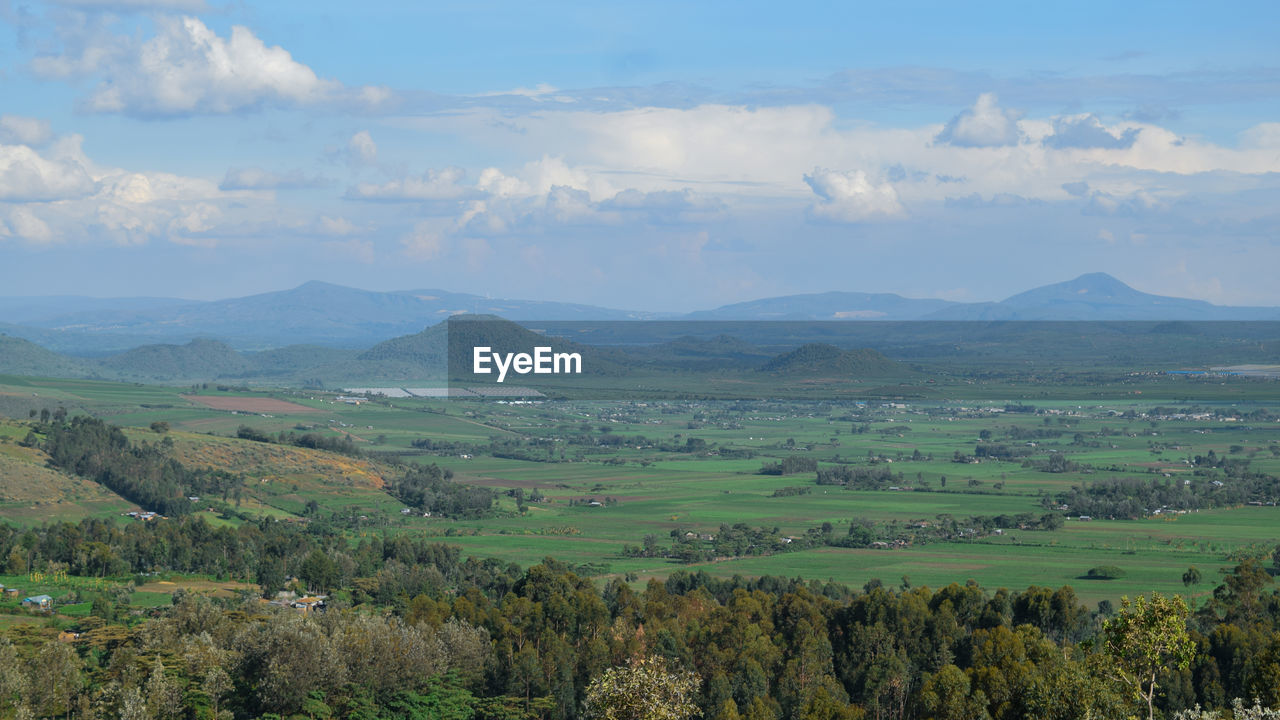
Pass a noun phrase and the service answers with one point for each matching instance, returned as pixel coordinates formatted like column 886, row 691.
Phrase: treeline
column 525, row 644
column 142, row 473
column 1136, row 497
column 741, row 540
column 874, row 477
column 581, row 442
column 312, row 440
column 790, row 465
column 430, row 489
column 376, row 569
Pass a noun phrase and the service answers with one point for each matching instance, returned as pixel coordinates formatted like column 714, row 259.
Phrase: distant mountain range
column 333, row 316
column 437, row 355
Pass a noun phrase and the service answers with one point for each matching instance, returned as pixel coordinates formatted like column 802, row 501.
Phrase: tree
column 646, row 689
column 947, row 695
column 54, row 679
column 1191, row 576
column 216, row 685
column 1148, row 635
column 164, row 696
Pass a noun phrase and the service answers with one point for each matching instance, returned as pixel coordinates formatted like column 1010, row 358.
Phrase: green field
column 661, row 465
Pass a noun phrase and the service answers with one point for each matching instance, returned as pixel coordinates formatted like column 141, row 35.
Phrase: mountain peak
column 1096, row 287
column 1098, row 282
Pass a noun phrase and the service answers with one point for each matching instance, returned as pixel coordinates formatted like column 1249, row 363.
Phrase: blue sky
column 659, row 156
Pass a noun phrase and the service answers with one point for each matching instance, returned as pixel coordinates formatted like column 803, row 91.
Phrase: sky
column 660, row 156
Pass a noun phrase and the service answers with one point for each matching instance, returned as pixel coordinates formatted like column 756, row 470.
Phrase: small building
column 309, row 604
column 38, row 602
column 67, row 636
column 11, row 593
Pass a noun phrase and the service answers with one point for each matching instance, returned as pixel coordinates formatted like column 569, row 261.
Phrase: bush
column 1105, row 572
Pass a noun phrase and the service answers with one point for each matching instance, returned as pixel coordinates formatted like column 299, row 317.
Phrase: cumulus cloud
column 851, row 196
column 254, row 178
column 59, row 193
column 186, row 68
column 20, row 130
column 27, row 176
column 985, row 124
column 1086, row 131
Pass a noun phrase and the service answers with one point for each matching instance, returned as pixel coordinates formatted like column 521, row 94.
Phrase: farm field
column 609, row 473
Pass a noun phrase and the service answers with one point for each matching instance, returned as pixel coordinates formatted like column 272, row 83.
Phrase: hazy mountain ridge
column 1098, row 296
column 324, row 314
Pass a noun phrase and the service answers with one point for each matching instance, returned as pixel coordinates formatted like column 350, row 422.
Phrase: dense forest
column 413, row 630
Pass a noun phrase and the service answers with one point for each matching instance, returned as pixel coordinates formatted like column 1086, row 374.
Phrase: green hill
column 198, row 359
column 22, row 357
column 823, row 359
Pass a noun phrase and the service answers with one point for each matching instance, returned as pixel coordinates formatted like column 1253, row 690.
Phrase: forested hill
column 820, row 358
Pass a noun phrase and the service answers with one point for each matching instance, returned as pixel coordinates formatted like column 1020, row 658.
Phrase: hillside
column 314, row 468
column 22, row 357
column 30, row 491
column 823, row 359
column 198, row 359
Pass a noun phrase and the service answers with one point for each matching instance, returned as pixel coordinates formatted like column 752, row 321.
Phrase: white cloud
column 362, row 151
column 21, row 130
column 1264, row 136
column 198, row 218
column 186, row 68
column 60, row 193
column 851, row 196
column 27, row 225
column 26, row 175
column 494, row 182
column 758, row 157
column 985, row 124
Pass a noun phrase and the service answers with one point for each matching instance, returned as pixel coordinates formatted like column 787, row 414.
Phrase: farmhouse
column 38, row 602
